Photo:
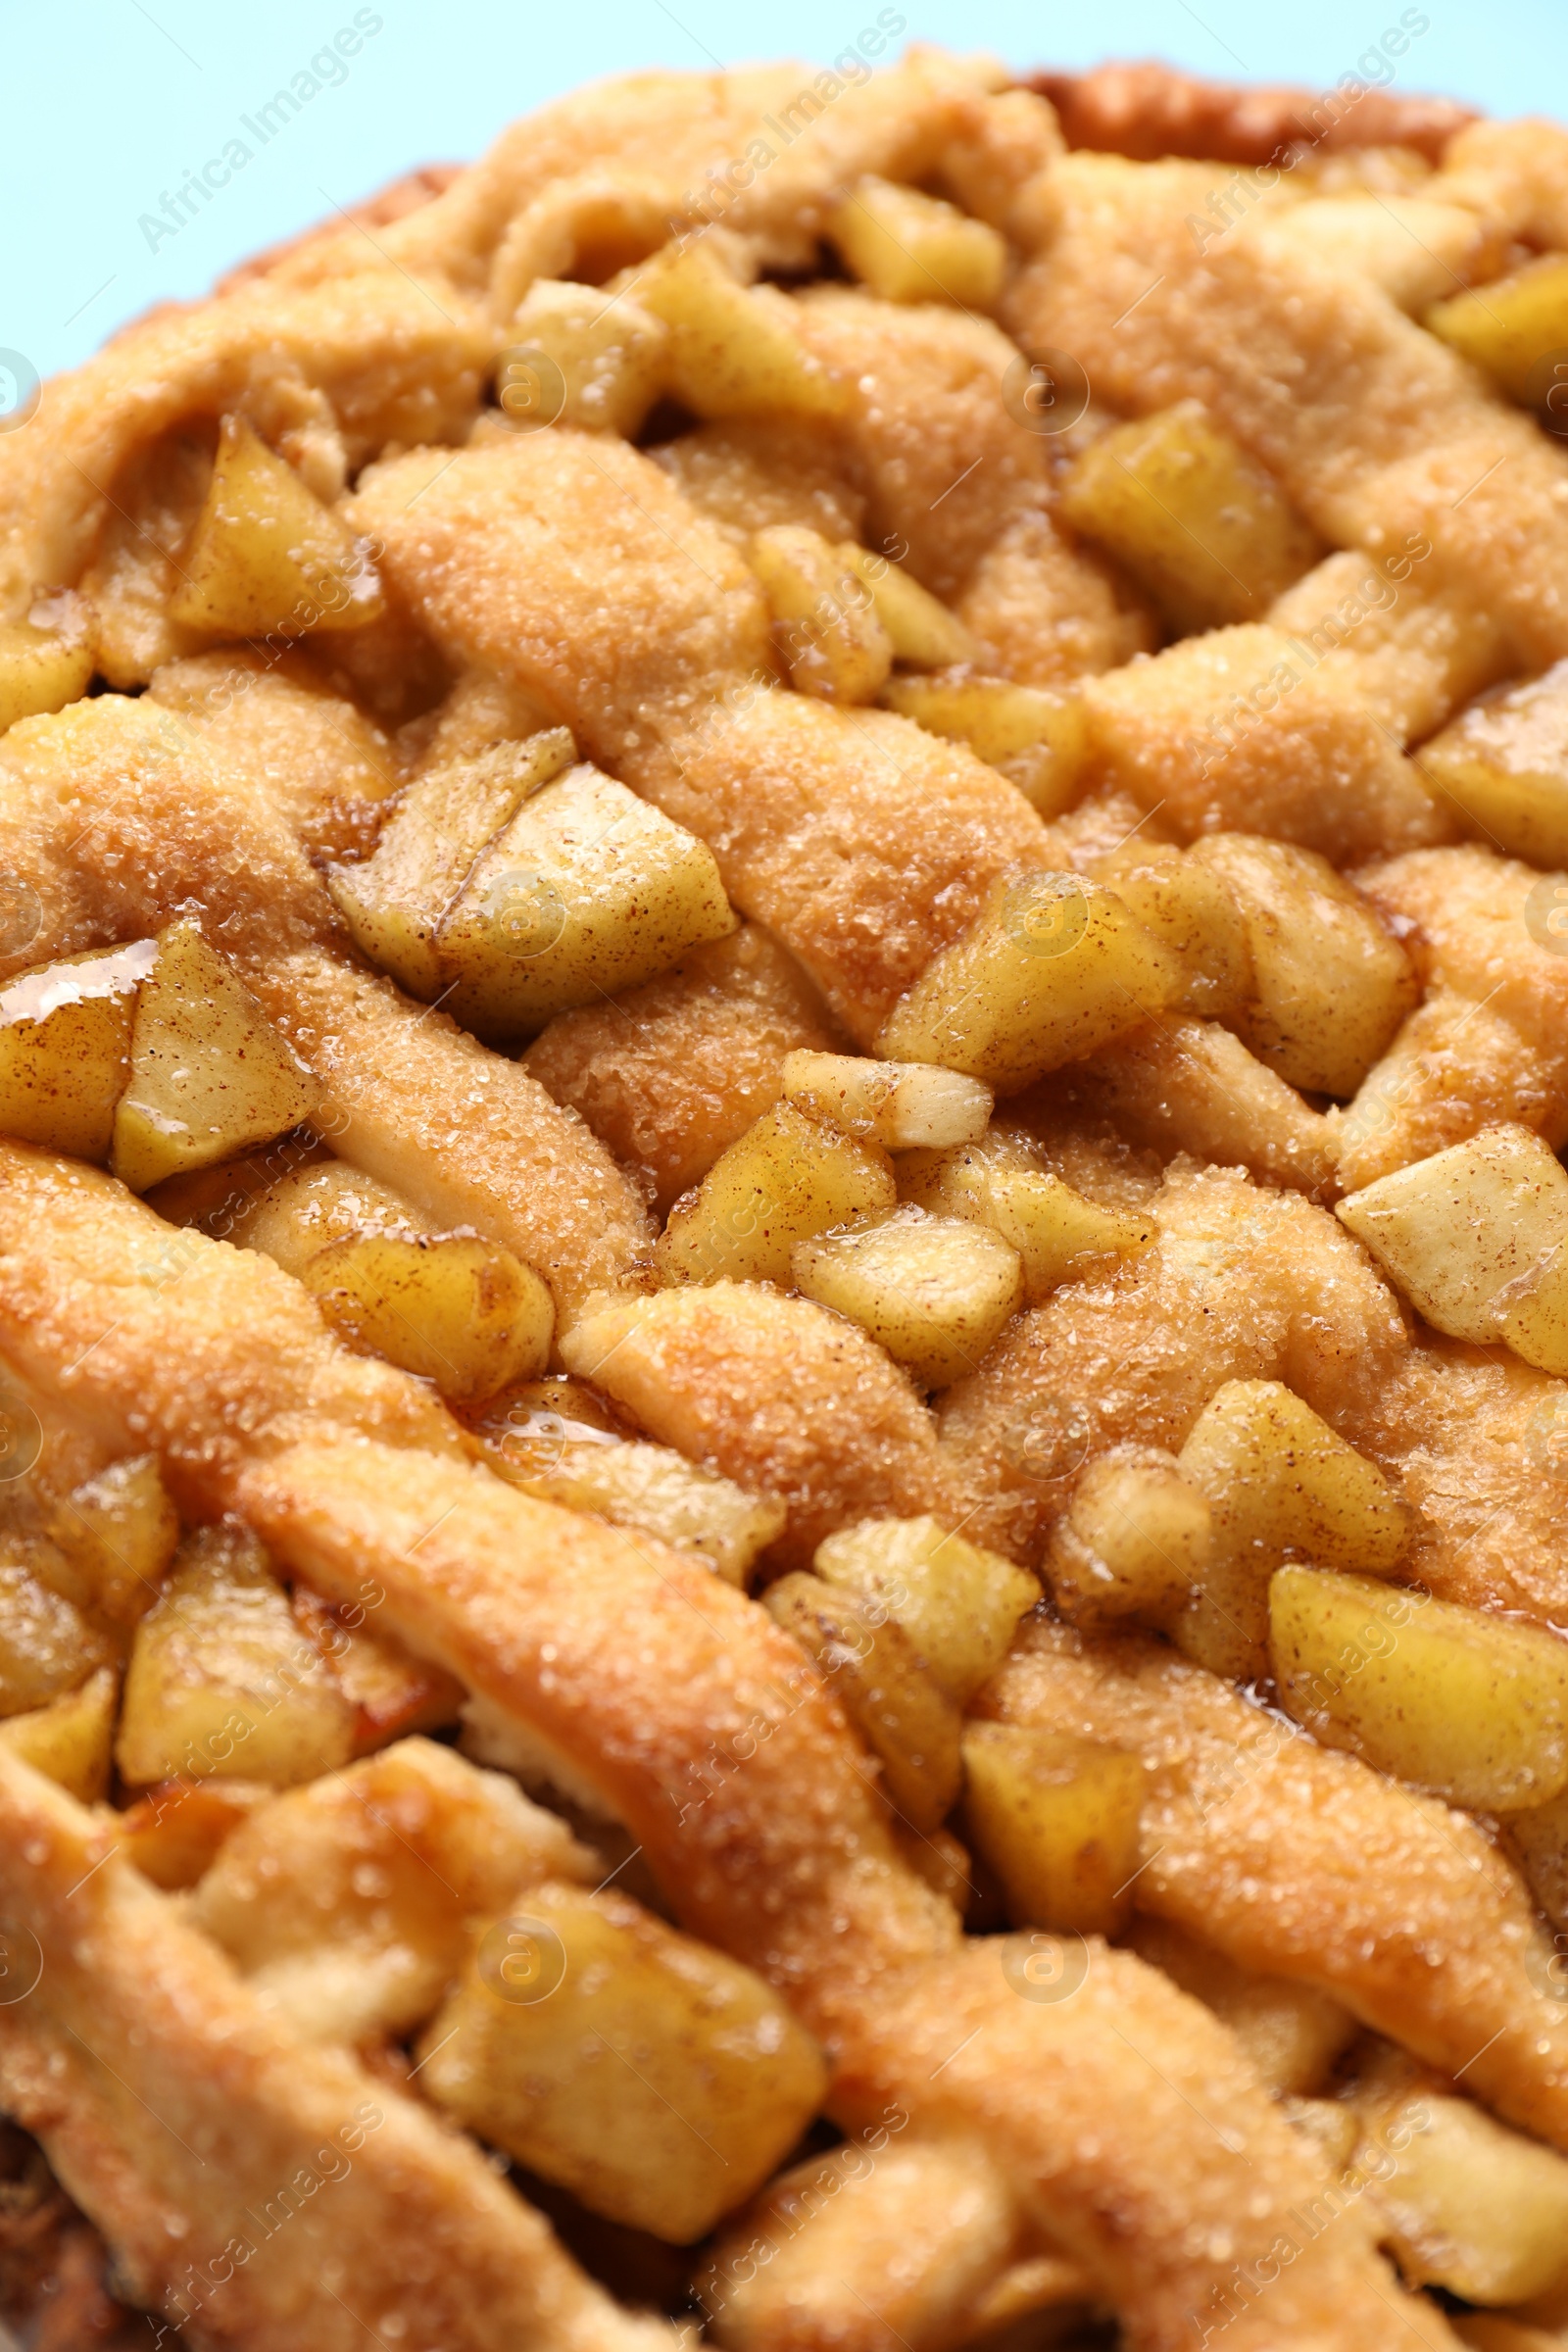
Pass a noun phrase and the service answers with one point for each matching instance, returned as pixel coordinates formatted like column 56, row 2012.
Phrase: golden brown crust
column 731, row 1763
column 1300, row 1862
column 394, row 202
column 269, row 2185
column 1146, row 109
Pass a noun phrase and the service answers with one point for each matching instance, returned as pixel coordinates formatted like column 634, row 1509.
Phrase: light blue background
column 107, row 103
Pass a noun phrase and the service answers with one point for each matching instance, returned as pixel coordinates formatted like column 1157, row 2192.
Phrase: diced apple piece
column 119, row 1532
column 587, row 891
column 171, row 1832
column 292, row 1218
column 1057, row 1818
column 395, row 902
column 825, row 621
column 1474, row 1237
column 221, row 1680
column 934, row 1292
column 1514, row 328
column 47, row 1646
column 1540, row 1838
column 532, row 1444
column 1133, row 1543
column 609, row 349
column 267, row 554
column 349, row 1905
column 899, row 1105
column 210, row 1075
column 1328, row 985
column 787, row 1178
column 1504, row 765
column 1188, row 906
column 455, row 1309
column 734, row 349
column 1466, row 2204
column 1038, row 740
column 1058, row 1235
column 924, row 633
column 958, row 1603
column 70, row 1740
column 1467, row 1705
column 46, row 660
column 908, row 247
column 884, row 1685
column 65, row 1047
column 658, row 2080
column 1195, row 520
column 1052, row 967
column 392, row 1693
column 1279, row 1481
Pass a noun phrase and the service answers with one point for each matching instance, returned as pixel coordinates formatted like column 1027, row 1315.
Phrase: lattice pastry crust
column 809, row 1100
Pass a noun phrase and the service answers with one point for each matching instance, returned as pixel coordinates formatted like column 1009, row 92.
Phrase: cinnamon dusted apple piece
column 1486, row 1046
column 1053, row 967
column 408, row 1098
column 587, row 890
column 657, row 2080
column 1447, row 1697
column 934, row 1291
column 1036, row 739
column 1193, row 516
column 958, row 1603
column 118, row 1531
column 71, row 1739
column 733, row 348
column 908, row 247
column 606, row 355
column 840, row 2228
column 787, row 1178
column 1477, row 1239
column 266, row 554
column 1503, row 766
column 395, row 902
column 65, row 1044
column 350, row 1903
column 553, row 1439
column 1279, row 1483
column 1058, row 1817
column 902, row 1105
column 1000, row 1181
column 209, row 1074
column 455, row 1308
column 222, row 1679
column 47, row 658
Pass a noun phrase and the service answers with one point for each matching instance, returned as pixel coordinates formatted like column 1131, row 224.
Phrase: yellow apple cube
column 786, row 1179
column 267, row 554
column 1052, row 967
column 210, row 1075
column 65, row 1047
column 1468, row 1705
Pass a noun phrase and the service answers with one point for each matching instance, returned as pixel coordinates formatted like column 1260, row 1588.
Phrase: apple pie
column 783, row 1271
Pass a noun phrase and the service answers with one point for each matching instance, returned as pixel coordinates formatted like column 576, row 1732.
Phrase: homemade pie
column 783, row 1283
